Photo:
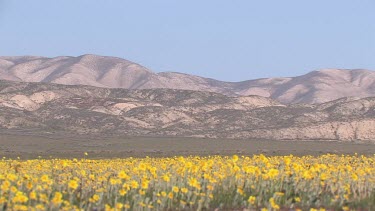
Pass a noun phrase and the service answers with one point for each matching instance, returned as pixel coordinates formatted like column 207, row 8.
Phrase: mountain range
column 110, row 72
column 54, row 109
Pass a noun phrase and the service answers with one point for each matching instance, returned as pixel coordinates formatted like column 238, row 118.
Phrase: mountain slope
column 110, row 72
column 42, row 108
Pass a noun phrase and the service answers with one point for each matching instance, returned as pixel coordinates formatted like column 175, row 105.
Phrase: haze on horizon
column 229, row 41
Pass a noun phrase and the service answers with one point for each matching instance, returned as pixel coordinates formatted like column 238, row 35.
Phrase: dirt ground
column 26, row 147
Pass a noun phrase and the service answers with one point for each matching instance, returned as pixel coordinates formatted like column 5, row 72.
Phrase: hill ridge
column 113, row 72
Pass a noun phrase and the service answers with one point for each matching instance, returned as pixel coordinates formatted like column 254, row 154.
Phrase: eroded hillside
column 51, row 108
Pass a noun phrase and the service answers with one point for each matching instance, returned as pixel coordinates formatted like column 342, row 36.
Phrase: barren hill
column 110, row 72
column 44, row 108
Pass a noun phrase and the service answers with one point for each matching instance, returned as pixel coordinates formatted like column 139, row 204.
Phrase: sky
column 229, row 40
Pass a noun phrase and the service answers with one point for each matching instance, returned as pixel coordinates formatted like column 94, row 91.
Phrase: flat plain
column 29, row 147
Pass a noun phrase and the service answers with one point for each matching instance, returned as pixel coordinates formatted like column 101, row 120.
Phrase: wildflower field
column 327, row 182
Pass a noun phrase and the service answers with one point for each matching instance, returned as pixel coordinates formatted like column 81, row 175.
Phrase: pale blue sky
column 224, row 39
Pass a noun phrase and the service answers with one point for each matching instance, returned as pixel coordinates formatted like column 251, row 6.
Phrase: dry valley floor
column 26, row 147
